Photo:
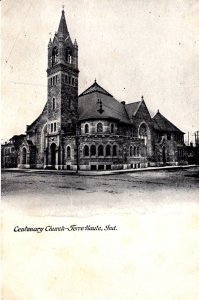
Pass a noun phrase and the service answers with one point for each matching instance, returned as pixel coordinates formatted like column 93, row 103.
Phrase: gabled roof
column 37, row 119
column 162, row 124
column 95, row 87
column 89, row 105
column 132, row 108
column 20, row 136
column 62, row 30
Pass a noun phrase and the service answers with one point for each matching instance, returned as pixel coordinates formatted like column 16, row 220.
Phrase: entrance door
column 53, row 154
column 24, row 156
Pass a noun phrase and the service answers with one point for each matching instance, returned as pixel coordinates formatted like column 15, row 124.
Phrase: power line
column 26, row 15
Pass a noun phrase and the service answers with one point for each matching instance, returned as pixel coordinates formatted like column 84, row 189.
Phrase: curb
column 98, row 173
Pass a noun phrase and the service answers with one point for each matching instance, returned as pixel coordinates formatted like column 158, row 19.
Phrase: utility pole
column 188, row 138
column 77, row 146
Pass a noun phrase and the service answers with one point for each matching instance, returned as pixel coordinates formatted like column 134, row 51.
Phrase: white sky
column 131, row 47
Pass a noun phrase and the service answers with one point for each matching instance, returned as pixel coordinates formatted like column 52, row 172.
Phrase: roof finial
column 158, row 110
column 63, row 8
column 142, row 97
column 95, row 80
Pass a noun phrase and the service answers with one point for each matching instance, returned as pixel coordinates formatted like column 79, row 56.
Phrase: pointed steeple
column 62, row 30
column 75, row 43
column 50, row 43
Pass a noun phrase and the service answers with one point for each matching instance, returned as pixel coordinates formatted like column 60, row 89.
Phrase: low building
column 10, row 151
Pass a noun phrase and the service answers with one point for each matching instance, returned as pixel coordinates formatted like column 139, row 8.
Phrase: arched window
column 112, row 128
column 93, row 150
column 69, row 103
column 114, row 150
column 143, row 130
column 108, row 150
column 54, row 104
column 134, row 151
column 54, row 55
column 99, row 127
column 131, row 151
column 69, row 55
column 68, row 152
column 143, row 133
column 138, row 151
column 100, row 150
column 86, row 150
column 86, row 128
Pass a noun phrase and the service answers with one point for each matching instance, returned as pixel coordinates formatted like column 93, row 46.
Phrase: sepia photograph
column 100, row 149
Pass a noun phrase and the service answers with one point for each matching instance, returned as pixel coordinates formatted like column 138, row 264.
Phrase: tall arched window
column 100, row 150
column 114, row 150
column 143, row 133
column 134, row 151
column 54, row 55
column 54, row 104
column 99, row 127
column 138, row 151
column 131, row 151
column 108, row 150
column 86, row 128
column 68, row 152
column 69, row 55
column 93, row 150
column 69, row 103
column 112, row 128
column 86, row 150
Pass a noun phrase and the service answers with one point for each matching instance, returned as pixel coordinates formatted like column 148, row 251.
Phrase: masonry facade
column 93, row 131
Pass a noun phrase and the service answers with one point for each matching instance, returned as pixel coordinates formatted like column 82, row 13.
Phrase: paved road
column 54, row 189
column 39, row 183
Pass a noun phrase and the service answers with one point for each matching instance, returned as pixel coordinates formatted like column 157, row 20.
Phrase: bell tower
column 62, row 74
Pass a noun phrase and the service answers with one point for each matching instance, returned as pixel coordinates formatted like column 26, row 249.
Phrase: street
column 54, row 191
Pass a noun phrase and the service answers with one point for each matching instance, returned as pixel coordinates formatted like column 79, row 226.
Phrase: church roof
column 95, row 87
column 62, row 30
column 132, row 108
column 89, row 105
column 162, row 124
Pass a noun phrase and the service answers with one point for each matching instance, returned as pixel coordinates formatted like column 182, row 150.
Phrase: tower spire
column 62, row 30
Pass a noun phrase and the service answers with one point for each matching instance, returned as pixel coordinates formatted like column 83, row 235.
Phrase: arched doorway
column 24, row 155
column 53, row 154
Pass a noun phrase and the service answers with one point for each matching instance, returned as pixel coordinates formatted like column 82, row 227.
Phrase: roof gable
column 88, row 105
column 132, row 108
column 162, row 124
column 143, row 109
column 95, row 87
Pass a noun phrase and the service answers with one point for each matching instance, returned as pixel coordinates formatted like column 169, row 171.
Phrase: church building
column 93, row 130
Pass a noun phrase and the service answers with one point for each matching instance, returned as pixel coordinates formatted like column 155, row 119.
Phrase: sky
column 132, row 48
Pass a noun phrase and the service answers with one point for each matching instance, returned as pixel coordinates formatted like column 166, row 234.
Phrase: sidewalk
column 98, row 173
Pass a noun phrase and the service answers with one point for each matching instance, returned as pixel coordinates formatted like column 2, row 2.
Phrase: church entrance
column 24, row 155
column 53, row 154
